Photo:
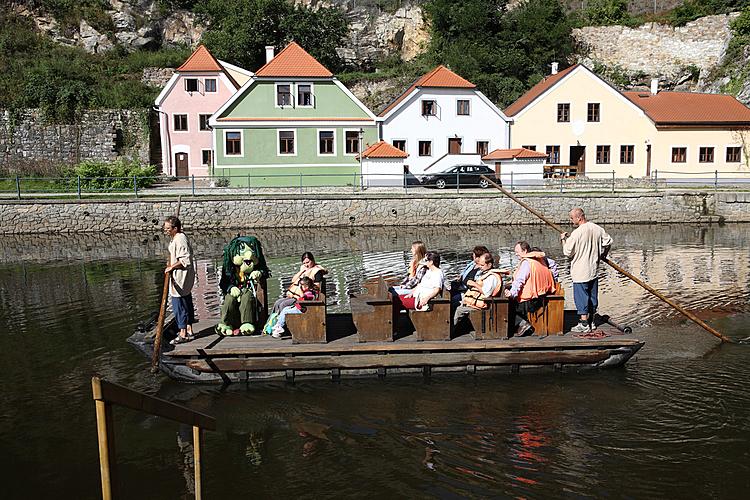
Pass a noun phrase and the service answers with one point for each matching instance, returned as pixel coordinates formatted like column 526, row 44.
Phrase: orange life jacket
column 539, row 282
column 475, row 299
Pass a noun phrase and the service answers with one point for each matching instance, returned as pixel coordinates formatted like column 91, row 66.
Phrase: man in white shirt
column 585, row 247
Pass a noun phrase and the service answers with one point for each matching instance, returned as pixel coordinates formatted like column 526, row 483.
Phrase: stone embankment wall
column 656, row 50
column 98, row 135
column 364, row 210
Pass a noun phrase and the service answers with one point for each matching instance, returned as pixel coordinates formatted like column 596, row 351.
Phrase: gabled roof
column 383, row 150
column 688, row 108
column 534, row 92
column 201, row 60
column 438, row 77
column 293, row 61
column 512, row 154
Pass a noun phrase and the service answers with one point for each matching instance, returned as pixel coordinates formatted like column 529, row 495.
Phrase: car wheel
column 440, row 183
column 484, row 183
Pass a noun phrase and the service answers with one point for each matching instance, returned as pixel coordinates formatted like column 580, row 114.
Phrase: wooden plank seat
column 310, row 326
column 435, row 324
column 491, row 323
column 373, row 312
column 549, row 319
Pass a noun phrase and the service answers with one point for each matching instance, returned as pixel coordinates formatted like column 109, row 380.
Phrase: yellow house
column 587, row 127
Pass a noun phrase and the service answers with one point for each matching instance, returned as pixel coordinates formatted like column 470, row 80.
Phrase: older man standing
column 182, row 269
column 585, row 247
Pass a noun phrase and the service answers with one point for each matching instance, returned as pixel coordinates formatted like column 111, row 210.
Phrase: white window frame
column 212, row 155
column 432, row 148
column 292, row 95
column 312, row 94
column 294, row 138
column 619, row 154
column 587, row 112
column 687, row 154
column 360, row 140
column 421, row 107
column 698, row 160
column 406, row 143
column 208, row 127
column 726, row 148
column 187, row 122
column 464, row 99
column 242, row 143
column 489, row 145
column 317, row 141
column 197, row 85
column 216, row 86
column 596, row 154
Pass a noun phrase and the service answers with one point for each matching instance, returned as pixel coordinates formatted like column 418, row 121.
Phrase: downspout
column 166, row 140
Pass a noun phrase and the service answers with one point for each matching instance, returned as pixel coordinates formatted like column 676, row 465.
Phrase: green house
column 292, row 124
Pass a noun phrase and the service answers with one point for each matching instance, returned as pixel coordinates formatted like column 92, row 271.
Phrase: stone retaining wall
column 365, row 210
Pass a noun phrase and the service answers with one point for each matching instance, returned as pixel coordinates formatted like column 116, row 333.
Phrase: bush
column 103, row 176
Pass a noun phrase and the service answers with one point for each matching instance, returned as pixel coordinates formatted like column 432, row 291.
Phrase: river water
column 673, row 423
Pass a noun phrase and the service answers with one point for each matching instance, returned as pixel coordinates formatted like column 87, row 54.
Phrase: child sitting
column 307, row 287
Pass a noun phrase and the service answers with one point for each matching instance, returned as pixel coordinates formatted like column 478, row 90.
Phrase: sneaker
column 581, row 328
column 524, row 329
column 425, row 307
column 277, row 332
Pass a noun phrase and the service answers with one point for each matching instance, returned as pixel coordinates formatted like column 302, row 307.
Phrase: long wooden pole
column 197, row 444
column 619, row 269
column 106, row 436
column 162, row 311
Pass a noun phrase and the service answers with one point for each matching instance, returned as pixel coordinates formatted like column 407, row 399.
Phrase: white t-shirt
column 432, row 279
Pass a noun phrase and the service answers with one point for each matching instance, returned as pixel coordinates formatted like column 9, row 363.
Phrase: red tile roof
column 537, row 90
column 383, row 150
column 688, row 108
column 511, row 154
column 438, row 77
column 201, row 60
column 293, row 61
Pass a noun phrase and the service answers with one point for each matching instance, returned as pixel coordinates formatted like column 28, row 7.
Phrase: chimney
column 654, row 86
column 269, row 53
column 555, row 65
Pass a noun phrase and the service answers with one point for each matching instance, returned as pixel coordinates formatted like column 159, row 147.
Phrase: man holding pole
column 182, row 273
column 585, row 247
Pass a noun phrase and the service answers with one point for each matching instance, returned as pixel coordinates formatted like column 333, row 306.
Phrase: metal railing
column 354, row 182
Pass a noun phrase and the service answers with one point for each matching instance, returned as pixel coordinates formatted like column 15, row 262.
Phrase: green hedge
column 103, row 176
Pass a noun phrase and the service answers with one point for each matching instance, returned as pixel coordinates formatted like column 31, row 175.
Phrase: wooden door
column 497, row 169
column 454, row 146
column 648, row 160
column 181, row 164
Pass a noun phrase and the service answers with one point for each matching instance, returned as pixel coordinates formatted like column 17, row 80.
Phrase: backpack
column 272, row 320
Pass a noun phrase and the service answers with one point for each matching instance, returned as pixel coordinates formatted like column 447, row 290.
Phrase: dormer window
column 429, row 108
column 191, row 85
column 210, row 84
column 284, row 95
column 304, row 94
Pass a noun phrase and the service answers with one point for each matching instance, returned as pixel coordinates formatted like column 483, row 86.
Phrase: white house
column 439, row 117
column 383, row 165
column 517, row 166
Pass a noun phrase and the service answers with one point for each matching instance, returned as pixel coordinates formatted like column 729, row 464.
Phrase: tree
column 606, row 12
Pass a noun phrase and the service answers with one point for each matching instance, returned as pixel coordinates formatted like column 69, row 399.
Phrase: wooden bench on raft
column 310, row 326
column 491, row 323
column 373, row 312
column 435, row 324
column 549, row 319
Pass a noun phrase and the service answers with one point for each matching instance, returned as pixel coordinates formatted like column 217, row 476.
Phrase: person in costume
column 243, row 270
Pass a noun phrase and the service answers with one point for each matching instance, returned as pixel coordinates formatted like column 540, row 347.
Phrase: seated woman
column 429, row 287
column 308, row 269
column 417, row 269
column 309, row 292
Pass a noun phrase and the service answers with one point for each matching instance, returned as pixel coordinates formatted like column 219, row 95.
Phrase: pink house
column 197, row 89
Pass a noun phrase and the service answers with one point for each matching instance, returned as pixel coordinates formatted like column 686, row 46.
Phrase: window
column 553, row 155
column 483, row 147
column 463, row 107
column 529, row 147
column 400, row 144
column 286, row 142
column 425, row 148
column 191, row 85
column 627, row 154
column 429, row 108
column 602, row 154
column 325, row 142
column 352, row 142
column 203, row 119
column 304, row 95
column 180, row 123
column 706, row 155
column 733, row 154
column 563, row 112
column 210, row 84
column 233, row 142
column 679, row 155
column 283, row 95
column 593, row 112
column 206, row 157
